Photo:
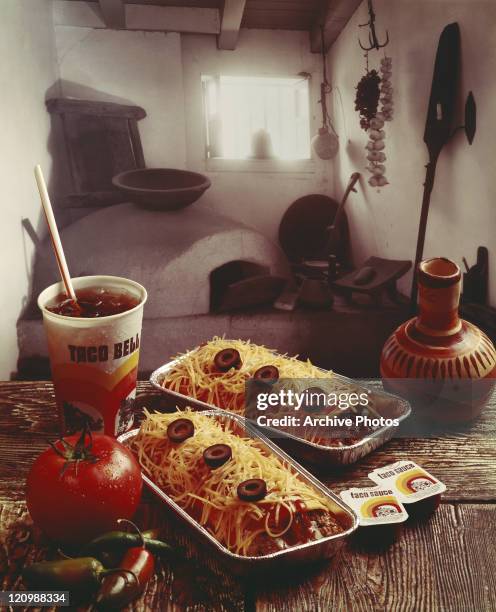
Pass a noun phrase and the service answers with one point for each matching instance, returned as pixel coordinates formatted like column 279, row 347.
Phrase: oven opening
column 236, row 284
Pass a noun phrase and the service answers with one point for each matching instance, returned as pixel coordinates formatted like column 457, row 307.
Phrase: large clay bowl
column 162, row 188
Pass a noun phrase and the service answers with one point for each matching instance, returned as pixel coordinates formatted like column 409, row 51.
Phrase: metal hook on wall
column 373, row 41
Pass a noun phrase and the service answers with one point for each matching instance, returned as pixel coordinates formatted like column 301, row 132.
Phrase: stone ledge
column 348, row 340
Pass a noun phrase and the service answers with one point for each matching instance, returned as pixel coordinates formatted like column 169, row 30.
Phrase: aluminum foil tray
column 239, row 564
column 383, row 403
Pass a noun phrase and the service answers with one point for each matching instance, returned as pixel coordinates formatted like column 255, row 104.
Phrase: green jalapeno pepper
column 120, row 541
column 112, row 558
column 81, row 575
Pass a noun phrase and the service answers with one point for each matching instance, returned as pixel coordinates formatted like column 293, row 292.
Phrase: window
column 256, row 118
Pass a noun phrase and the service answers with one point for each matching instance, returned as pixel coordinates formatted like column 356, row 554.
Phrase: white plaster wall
column 130, row 67
column 27, row 71
column 162, row 73
column 258, row 199
column 463, row 210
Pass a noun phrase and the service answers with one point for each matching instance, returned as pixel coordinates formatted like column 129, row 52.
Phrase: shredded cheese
column 210, row 495
column 195, row 375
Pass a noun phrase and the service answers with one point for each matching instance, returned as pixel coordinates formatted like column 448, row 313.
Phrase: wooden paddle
column 438, row 126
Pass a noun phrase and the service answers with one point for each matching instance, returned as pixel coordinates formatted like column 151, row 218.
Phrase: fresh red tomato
column 78, row 488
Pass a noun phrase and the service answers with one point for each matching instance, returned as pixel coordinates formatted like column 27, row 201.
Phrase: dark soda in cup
column 94, row 350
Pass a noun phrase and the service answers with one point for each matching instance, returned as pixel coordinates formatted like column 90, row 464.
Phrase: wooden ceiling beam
column 334, row 17
column 114, row 14
column 232, row 16
column 139, row 17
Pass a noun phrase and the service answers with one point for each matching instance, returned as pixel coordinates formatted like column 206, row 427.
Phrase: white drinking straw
column 54, row 233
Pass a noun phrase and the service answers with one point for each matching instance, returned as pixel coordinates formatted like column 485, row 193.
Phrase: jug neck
column 439, row 283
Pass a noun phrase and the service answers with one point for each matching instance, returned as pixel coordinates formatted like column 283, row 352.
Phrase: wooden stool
column 383, row 274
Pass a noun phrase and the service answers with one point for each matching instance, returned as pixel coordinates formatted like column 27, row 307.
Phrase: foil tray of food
column 240, row 493
column 197, row 379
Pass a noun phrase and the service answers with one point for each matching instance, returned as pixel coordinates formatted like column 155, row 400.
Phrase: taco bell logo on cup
column 94, row 353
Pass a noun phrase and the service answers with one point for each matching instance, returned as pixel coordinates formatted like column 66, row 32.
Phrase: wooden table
column 448, row 563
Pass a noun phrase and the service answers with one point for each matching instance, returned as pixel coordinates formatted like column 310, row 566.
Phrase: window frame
column 304, row 165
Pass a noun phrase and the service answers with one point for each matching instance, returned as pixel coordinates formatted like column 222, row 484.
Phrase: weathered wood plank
column 465, row 462
column 194, row 581
column 138, row 17
column 232, row 14
column 113, row 12
column 445, row 564
column 334, row 17
column 65, row 106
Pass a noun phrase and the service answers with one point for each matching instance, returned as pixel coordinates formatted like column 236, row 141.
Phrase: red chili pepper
column 139, row 561
column 128, row 582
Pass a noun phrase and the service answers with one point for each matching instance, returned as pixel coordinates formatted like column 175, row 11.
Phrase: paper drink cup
column 94, row 361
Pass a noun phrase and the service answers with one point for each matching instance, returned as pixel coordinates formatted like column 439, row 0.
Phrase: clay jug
column 444, row 365
column 261, row 145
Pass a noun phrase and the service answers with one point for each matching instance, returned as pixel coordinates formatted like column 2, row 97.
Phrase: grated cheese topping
column 195, row 374
column 210, row 495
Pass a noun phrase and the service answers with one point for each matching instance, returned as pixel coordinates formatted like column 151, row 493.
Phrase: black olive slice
column 252, row 490
column 268, row 373
column 226, row 359
column 180, row 430
column 216, row 455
